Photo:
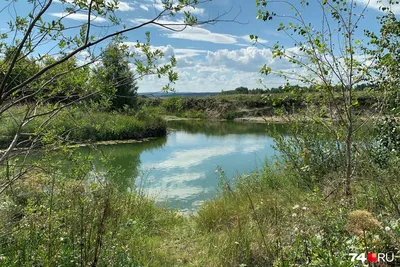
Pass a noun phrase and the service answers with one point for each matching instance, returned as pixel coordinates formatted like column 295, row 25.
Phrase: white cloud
column 186, row 52
column 246, row 59
column 79, row 16
column 197, row 33
column 219, row 70
column 193, row 10
column 124, row 6
column 204, row 35
column 144, row 7
column 376, row 4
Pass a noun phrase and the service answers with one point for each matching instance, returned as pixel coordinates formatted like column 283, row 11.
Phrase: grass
column 80, row 125
column 268, row 218
column 275, row 216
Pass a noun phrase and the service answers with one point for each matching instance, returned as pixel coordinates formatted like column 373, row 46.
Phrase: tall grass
column 51, row 221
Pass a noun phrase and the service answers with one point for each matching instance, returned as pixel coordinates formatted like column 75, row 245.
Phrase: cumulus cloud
column 249, row 59
column 220, row 70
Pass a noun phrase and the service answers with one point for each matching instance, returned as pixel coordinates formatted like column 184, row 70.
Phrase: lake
column 180, row 169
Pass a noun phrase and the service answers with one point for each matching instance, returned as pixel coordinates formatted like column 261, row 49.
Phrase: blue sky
column 213, row 57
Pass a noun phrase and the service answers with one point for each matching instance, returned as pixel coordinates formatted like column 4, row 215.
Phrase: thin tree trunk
column 348, row 160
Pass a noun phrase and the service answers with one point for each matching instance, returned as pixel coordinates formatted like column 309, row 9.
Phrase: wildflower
column 387, row 229
column 305, row 209
column 360, row 221
column 294, row 215
column 295, row 207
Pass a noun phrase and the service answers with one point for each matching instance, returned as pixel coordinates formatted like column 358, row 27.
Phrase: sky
column 210, row 58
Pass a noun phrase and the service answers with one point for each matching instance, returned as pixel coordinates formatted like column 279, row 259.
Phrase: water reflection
column 124, row 158
column 180, row 169
column 191, row 158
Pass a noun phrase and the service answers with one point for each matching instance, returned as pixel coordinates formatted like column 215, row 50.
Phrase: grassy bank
column 231, row 107
column 271, row 218
column 82, row 125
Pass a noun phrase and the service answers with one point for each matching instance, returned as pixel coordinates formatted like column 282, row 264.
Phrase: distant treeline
column 282, row 89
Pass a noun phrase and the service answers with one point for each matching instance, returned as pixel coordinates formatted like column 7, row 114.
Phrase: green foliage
column 77, row 125
column 173, row 104
column 66, row 222
column 116, row 77
column 26, row 67
column 387, row 141
column 195, row 114
column 310, row 153
column 301, row 226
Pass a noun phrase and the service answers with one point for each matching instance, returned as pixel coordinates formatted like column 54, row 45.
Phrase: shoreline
column 273, row 119
column 267, row 119
column 103, row 143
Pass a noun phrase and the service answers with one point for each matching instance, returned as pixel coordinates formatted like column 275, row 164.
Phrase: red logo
column 371, row 257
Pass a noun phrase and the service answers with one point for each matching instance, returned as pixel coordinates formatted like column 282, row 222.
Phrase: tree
column 386, row 54
column 33, row 35
column 328, row 58
column 117, row 77
column 242, row 90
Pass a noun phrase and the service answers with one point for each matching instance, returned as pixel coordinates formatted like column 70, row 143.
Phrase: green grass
column 266, row 219
column 275, row 216
column 86, row 125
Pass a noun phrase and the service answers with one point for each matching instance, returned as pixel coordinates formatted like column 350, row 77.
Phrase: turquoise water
column 181, row 168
